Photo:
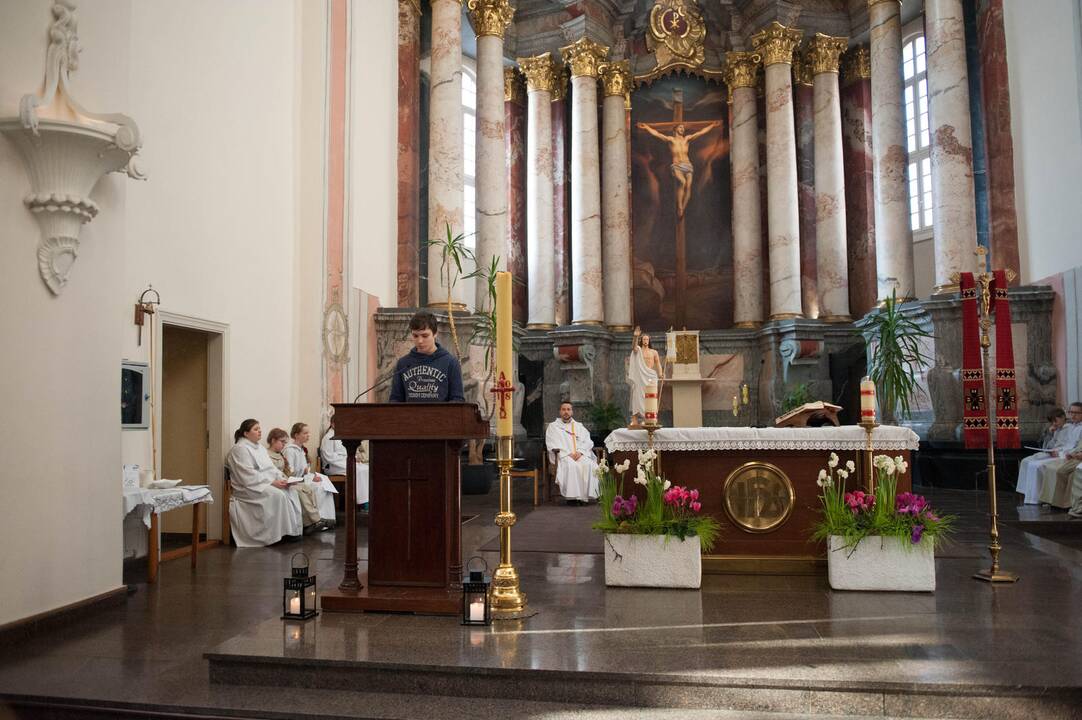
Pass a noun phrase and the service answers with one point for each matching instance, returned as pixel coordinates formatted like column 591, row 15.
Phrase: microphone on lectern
column 381, row 381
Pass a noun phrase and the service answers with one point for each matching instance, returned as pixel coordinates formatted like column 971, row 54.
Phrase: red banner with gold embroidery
column 974, row 412
column 1007, row 432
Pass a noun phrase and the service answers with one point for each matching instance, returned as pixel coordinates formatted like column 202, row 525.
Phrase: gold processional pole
column 984, row 279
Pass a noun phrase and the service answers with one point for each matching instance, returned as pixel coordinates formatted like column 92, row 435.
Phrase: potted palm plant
column 895, row 358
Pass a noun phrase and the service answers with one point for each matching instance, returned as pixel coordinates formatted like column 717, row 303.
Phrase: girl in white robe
column 333, row 453
column 261, row 510
column 297, row 461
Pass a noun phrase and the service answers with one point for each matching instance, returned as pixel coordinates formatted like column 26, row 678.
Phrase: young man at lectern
column 429, row 373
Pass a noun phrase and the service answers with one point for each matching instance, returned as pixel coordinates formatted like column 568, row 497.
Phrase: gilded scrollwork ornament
column 676, row 33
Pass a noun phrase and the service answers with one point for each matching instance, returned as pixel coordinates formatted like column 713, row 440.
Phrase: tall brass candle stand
column 866, row 460
column 507, row 599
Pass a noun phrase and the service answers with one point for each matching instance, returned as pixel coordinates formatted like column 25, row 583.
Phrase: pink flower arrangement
column 908, row 503
column 622, row 508
column 859, row 501
column 679, row 498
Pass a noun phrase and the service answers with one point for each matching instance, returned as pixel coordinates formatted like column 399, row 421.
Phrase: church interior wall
column 61, row 359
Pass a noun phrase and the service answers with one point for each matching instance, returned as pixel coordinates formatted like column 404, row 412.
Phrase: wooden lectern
column 414, row 519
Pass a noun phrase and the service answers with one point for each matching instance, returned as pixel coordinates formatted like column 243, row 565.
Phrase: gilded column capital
column 872, row 3
column 490, row 17
column 538, row 71
column 741, row 69
column 559, row 81
column 616, row 77
column 776, row 42
column 584, row 56
column 802, row 68
column 824, row 51
column 857, row 64
column 414, row 5
column 513, row 89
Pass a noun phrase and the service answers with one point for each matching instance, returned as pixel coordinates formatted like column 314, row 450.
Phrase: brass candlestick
column 650, row 429
column 507, row 599
column 866, row 463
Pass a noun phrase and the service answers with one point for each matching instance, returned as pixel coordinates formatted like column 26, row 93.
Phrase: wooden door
column 184, row 416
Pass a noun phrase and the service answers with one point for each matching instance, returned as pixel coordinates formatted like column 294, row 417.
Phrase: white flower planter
column 881, row 563
column 652, row 561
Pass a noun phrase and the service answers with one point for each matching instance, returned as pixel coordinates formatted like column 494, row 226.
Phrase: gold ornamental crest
column 677, row 32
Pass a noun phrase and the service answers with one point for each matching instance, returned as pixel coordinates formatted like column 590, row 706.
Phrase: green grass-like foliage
column 661, row 513
column 856, row 515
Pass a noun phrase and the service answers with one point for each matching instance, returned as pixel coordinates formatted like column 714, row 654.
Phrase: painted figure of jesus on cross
column 683, row 173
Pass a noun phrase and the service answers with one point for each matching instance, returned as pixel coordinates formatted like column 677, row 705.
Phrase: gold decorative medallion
column 758, row 497
column 776, row 42
column 676, row 33
column 490, row 17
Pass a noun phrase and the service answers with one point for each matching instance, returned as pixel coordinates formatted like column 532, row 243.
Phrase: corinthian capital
column 559, row 81
column 776, row 42
column 538, row 71
column 616, row 78
column 512, row 86
column 490, row 17
column 857, row 64
column 740, row 69
column 802, row 70
column 584, row 56
column 823, row 53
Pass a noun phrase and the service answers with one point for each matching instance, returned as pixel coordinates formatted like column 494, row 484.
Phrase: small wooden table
column 164, row 501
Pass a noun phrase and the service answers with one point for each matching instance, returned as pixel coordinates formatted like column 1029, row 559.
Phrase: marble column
column 490, row 19
column 832, row 272
column 859, row 186
column 776, row 44
column 893, row 247
column 587, row 299
column 740, row 73
column 514, row 95
column 409, row 159
column 445, row 143
column 615, row 200
column 539, row 220
column 804, row 117
column 955, row 229
column 560, row 235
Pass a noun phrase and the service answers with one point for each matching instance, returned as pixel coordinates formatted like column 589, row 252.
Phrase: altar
column 760, row 484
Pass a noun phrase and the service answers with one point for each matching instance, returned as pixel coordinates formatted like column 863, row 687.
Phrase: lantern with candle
column 476, row 608
column 299, row 591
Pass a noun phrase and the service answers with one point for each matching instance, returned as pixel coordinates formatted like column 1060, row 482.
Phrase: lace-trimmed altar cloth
column 847, row 437
column 158, row 501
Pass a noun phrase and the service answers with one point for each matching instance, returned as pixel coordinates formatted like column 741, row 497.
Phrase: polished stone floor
column 785, row 632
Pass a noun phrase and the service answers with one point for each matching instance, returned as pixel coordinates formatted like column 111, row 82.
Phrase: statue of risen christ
column 682, row 170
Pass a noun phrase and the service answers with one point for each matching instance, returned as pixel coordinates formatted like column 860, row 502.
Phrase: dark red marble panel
column 561, row 235
column 804, row 112
column 515, row 120
column 409, row 109
column 856, row 97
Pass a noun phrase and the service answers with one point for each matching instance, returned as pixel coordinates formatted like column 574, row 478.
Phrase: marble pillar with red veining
column 804, row 115
column 515, row 122
column 409, row 161
column 955, row 230
column 856, row 96
column 541, row 311
column 615, row 198
column 996, row 100
column 560, row 235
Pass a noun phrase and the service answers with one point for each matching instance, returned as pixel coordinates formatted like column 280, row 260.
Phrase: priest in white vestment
column 1029, row 476
column 262, row 510
column 297, row 460
column 576, row 466
column 333, row 453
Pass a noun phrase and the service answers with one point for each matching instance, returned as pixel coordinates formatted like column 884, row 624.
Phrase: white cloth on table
column 577, row 479
column 259, row 513
column 638, row 377
column 149, row 501
column 1030, row 483
column 846, row 437
column 322, row 488
column 334, row 455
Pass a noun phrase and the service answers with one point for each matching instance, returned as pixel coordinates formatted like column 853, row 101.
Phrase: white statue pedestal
column 687, row 401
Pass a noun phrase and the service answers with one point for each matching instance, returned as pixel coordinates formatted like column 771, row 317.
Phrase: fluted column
column 776, row 44
column 409, row 154
column 490, row 19
column 540, row 267
column 955, row 228
column 830, row 246
column 587, row 300
column 444, row 142
column 740, row 70
column 615, row 200
column 893, row 247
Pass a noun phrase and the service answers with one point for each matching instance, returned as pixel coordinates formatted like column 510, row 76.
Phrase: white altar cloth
column 845, row 437
column 158, row 501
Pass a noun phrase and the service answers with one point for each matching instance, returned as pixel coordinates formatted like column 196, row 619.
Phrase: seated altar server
column 262, row 510
column 1056, row 478
column 310, row 518
column 333, row 454
column 428, row 373
column 576, row 466
column 297, row 465
column 1029, row 478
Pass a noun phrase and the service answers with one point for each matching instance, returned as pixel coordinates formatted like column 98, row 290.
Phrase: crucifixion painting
column 682, row 169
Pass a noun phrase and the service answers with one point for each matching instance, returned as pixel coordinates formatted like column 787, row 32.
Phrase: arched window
column 918, row 136
column 469, row 155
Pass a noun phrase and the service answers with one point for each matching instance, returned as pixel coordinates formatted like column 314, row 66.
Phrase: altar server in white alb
column 298, row 466
column 1029, row 483
column 576, row 466
column 262, row 510
column 333, row 453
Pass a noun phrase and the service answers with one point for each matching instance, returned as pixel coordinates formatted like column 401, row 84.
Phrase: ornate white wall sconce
column 66, row 150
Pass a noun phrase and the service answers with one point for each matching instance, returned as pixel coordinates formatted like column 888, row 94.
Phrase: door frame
column 217, row 405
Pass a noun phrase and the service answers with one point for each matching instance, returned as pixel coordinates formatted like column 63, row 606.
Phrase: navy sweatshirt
column 427, row 378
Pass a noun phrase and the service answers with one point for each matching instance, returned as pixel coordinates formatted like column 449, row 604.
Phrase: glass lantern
column 299, row 591
column 476, row 609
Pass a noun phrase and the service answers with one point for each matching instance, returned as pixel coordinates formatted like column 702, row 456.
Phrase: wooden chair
column 535, row 475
